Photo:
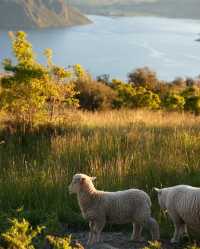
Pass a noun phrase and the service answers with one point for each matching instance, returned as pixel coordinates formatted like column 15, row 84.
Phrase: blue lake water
column 115, row 46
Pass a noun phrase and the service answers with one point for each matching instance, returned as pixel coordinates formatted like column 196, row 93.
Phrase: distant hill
column 168, row 8
column 19, row 14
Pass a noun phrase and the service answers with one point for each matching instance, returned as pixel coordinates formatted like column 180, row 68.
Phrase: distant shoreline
column 181, row 9
column 142, row 14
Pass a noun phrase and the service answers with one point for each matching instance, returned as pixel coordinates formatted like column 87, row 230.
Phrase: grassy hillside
column 124, row 149
column 16, row 14
column 167, row 8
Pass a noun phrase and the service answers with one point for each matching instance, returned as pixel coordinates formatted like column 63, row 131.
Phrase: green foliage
column 122, row 148
column 23, row 93
column 144, row 77
column 193, row 104
column 154, row 245
column 22, row 50
column 48, row 53
column 146, row 98
column 20, row 235
column 33, row 89
column 32, row 92
column 192, row 247
column 134, row 97
column 125, row 94
column 59, row 243
column 62, row 243
column 93, row 95
column 174, row 102
column 192, row 99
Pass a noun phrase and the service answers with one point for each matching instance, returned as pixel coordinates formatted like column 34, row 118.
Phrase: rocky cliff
column 22, row 14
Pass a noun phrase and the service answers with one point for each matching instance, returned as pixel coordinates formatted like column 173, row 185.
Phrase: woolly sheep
column 99, row 207
column 182, row 203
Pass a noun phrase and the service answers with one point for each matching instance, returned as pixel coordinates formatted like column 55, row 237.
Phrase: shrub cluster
column 30, row 91
column 20, row 235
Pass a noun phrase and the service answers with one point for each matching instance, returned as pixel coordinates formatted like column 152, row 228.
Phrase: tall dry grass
column 124, row 149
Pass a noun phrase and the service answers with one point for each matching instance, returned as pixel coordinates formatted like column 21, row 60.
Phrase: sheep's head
column 80, row 182
column 161, row 197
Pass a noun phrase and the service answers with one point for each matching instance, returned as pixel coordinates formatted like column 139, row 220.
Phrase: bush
column 20, row 235
column 192, row 99
column 174, row 102
column 32, row 89
column 144, row 77
column 146, row 98
column 134, row 97
column 125, row 94
column 93, row 95
column 154, row 245
column 62, row 243
column 193, row 104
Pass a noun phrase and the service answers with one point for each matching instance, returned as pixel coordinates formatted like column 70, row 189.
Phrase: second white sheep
column 182, row 203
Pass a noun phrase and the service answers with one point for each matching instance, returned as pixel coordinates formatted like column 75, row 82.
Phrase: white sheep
column 99, row 207
column 182, row 203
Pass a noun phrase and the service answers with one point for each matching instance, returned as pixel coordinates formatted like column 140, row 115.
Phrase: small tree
column 144, row 77
column 174, row 102
column 32, row 87
column 125, row 94
column 192, row 99
column 23, row 93
column 146, row 98
column 93, row 95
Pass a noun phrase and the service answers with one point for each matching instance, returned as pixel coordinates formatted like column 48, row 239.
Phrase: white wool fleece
column 99, row 207
column 182, row 203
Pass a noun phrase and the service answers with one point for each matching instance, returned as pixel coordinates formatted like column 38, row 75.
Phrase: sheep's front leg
column 91, row 237
column 133, row 233
column 137, row 231
column 98, row 229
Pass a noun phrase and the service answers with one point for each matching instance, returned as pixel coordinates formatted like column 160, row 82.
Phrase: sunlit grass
column 124, row 149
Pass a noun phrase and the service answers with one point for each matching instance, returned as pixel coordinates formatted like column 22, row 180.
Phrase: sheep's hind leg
column 184, row 230
column 178, row 224
column 177, row 233
column 137, row 232
column 154, row 228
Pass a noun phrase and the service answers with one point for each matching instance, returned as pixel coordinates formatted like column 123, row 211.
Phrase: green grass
column 125, row 149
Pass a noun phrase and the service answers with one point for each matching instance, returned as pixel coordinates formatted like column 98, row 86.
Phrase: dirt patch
column 120, row 241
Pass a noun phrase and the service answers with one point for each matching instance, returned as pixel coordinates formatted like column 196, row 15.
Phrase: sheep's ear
column 157, row 190
column 93, row 178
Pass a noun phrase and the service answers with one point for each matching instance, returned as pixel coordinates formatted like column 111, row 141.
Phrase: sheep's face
column 78, row 183
column 161, row 198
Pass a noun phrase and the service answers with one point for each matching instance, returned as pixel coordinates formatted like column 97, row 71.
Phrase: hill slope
column 15, row 14
column 168, row 8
